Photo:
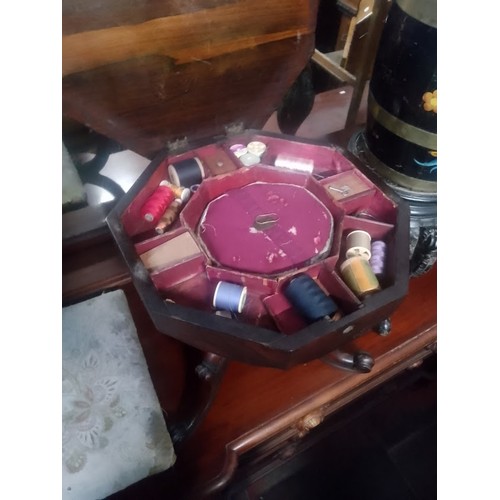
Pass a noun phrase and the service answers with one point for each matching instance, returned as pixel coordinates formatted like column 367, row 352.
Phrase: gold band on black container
column 400, row 128
column 398, row 178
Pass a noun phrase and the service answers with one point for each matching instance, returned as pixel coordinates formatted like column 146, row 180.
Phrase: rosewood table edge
column 387, row 365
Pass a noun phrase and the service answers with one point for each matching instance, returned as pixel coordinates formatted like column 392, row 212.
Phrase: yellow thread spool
column 359, row 277
column 168, row 218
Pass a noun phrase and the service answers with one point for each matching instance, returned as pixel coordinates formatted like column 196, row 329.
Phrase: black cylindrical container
column 399, row 141
column 401, row 130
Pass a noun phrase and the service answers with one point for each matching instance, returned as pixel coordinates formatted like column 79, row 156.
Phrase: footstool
column 113, row 430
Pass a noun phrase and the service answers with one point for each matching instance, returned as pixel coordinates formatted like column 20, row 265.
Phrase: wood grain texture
column 187, row 37
column 254, row 405
column 94, row 14
column 260, row 411
column 168, row 72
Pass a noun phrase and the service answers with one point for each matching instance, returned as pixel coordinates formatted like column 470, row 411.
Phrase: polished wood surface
column 152, row 73
column 256, row 410
column 253, row 404
column 263, row 410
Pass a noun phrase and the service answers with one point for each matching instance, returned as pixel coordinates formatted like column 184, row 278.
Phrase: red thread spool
column 157, row 203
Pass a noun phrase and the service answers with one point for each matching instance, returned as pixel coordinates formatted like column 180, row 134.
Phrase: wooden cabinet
column 232, row 419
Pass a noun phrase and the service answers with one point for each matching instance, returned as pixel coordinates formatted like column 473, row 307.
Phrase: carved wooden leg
column 357, row 362
column 297, row 103
column 204, row 375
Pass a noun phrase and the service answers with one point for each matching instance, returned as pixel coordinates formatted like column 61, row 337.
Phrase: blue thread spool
column 229, row 296
column 309, row 299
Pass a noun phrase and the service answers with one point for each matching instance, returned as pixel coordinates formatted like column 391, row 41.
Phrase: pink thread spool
column 157, row 203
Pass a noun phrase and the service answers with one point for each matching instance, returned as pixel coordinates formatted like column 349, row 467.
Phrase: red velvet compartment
column 215, row 160
column 192, row 259
column 325, row 159
column 352, row 183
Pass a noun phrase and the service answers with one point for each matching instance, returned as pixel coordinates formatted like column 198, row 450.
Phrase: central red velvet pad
column 266, row 228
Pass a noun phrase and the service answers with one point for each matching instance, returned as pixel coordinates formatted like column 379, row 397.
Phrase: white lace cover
column 113, row 432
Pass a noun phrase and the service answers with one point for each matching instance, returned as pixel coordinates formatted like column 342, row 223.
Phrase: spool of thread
column 169, row 216
column 359, row 277
column 157, row 203
column 229, row 296
column 249, row 159
column 309, row 299
column 294, row 163
column 186, row 172
column 180, row 192
column 377, row 260
column 238, row 150
column 358, row 243
column 257, row 148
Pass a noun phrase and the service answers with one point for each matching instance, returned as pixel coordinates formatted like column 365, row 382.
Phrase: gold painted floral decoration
column 430, row 100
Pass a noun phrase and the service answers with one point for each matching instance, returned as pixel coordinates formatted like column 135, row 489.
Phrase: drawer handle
column 309, row 422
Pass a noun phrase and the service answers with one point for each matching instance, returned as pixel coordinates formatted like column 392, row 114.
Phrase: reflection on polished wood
column 144, row 75
column 242, row 410
column 255, row 409
column 255, row 405
column 264, row 410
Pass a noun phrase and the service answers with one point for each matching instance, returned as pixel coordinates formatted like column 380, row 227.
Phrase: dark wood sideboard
column 242, row 414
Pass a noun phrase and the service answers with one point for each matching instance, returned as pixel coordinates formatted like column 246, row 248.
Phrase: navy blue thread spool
column 186, row 172
column 229, row 297
column 309, row 299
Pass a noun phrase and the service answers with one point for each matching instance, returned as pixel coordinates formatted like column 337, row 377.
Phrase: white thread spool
column 294, row 163
column 257, row 148
column 249, row 159
column 358, row 243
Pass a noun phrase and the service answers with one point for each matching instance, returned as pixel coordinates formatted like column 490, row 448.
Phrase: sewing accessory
column 238, row 150
column 363, row 214
column 157, row 203
column 194, row 188
column 229, row 296
column 169, row 216
column 359, row 277
column 265, row 221
column 180, row 192
column 343, row 190
column 358, row 243
column 377, row 260
column 257, row 148
column 309, row 299
column 186, row 172
column 293, row 163
column 249, row 159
